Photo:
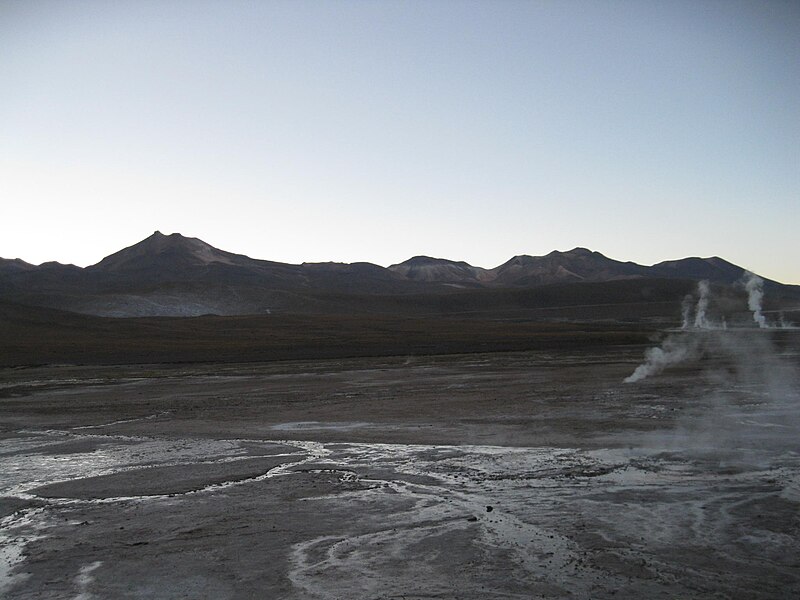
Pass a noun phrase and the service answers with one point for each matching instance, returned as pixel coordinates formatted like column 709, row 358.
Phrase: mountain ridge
column 175, row 275
column 195, row 252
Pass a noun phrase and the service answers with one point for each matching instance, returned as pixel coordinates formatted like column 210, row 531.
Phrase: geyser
column 755, row 296
column 676, row 349
column 700, row 318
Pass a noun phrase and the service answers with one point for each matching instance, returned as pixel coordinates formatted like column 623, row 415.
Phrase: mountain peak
column 712, row 268
column 167, row 238
column 577, row 252
column 578, row 264
column 173, row 250
column 580, row 251
column 421, row 260
column 15, row 264
column 442, row 270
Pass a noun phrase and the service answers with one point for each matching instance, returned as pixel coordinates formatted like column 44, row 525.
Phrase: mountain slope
column 427, row 269
column 177, row 258
column 161, row 250
column 9, row 265
column 173, row 275
column 713, row 269
column 575, row 265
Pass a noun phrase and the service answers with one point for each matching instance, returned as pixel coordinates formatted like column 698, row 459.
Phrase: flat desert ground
column 500, row 475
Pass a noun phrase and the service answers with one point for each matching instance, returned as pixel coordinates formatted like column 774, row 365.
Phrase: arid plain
column 494, row 475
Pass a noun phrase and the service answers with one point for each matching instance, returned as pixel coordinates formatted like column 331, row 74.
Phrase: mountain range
column 174, row 275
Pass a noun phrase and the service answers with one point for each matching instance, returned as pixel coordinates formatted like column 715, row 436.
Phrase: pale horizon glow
column 355, row 131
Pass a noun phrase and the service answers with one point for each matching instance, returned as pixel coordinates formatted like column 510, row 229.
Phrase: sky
column 305, row 131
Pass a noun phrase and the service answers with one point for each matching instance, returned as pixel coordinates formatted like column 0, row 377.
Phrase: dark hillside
column 35, row 336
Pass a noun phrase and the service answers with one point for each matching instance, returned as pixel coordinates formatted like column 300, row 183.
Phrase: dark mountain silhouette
column 174, row 257
column 713, row 269
column 425, row 268
column 161, row 251
column 10, row 265
column 173, row 275
column 576, row 265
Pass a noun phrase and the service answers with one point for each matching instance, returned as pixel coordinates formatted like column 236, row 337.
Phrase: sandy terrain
column 516, row 475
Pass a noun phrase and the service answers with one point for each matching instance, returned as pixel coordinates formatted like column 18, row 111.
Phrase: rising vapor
column 701, row 318
column 755, row 296
column 677, row 349
column 674, row 350
column 686, row 311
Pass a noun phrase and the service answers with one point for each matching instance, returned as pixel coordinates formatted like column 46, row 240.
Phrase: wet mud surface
column 518, row 475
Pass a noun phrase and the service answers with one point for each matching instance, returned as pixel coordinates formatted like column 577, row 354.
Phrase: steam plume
column 755, row 295
column 686, row 311
column 746, row 403
column 700, row 318
column 672, row 351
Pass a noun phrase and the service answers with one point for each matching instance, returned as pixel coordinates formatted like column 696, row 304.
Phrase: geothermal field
column 443, row 300
column 501, row 475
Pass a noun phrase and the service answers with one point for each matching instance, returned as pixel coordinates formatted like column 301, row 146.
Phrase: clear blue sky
column 308, row 131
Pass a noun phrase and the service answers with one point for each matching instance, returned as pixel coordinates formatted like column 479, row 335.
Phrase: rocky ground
column 506, row 475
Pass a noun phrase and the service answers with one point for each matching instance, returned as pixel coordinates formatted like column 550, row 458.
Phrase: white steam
column 686, row 311
column 674, row 350
column 746, row 398
column 677, row 349
column 755, row 296
column 700, row 318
